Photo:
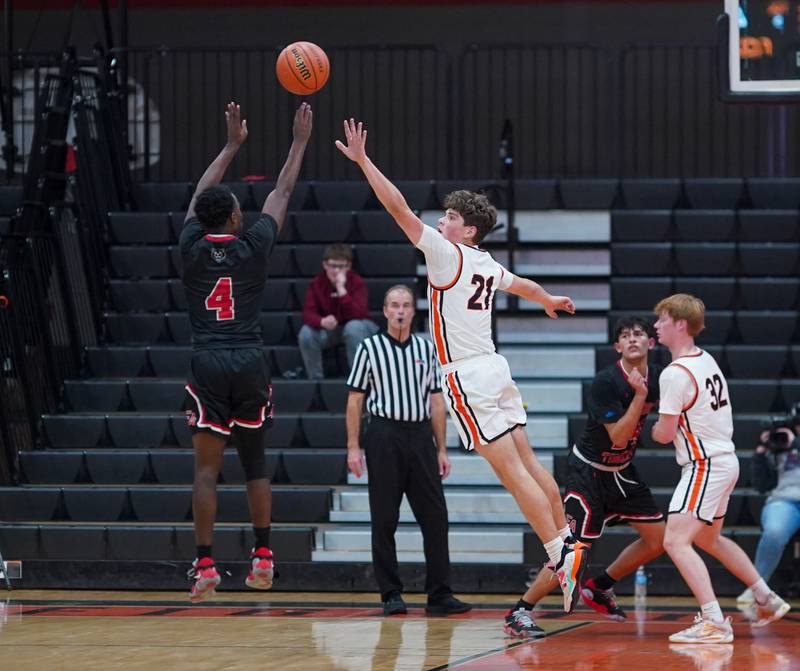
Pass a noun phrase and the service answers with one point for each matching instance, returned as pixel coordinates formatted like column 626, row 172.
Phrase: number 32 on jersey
column 221, row 299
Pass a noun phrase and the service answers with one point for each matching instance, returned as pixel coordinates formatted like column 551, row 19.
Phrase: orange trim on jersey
column 458, row 272
column 698, row 484
column 461, row 409
column 438, row 336
column 694, row 382
column 690, row 437
column 691, row 356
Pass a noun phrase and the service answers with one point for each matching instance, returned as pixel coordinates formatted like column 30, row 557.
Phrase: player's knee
column 673, row 543
column 306, row 337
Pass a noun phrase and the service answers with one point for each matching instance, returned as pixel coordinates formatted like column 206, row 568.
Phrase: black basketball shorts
column 595, row 498
column 227, row 388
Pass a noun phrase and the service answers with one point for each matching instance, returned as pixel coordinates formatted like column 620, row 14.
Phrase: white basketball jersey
column 705, row 427
column 462, row 282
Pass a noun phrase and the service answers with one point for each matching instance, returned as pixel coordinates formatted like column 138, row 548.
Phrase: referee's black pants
column 401, row 458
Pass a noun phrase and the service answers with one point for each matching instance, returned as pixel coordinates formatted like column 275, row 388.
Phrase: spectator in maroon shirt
column 335, row 309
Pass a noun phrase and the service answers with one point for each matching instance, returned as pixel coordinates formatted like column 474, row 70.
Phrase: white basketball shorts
column 705, row 487
column 484, row 401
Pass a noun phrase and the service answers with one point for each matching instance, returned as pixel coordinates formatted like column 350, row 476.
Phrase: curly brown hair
column 476, row 210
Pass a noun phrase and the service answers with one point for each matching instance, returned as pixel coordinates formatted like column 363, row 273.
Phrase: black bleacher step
column 157, row 395
column 46, row 467
column 132, row 329
column 419, row 194
column 774, row 193
column 326, row 227
column 588, row 194
column 766, row 327
column 279, row 295
column 170, row 361
column 28, row 503
column 770, row 293
column 138, row 430
column 126, row 541
column 756, row 361
column 94, row 503
column 140, row 227
column 116, row 361
column 661, row 193
column 298, row 200
column 790, row 392
column 342, row 195
column 642, row 258
column 714, row 193
column 140, row 295
column 769, row 258
column 536, row 194
column 641, row 225
column 287, row 360
column 73, row 431
column 162, row 196
column 138, row 261
column 95, row 395
column 768, row 225
column 705, row 258
column 705, row 225
column 293, row 395
column 106, row 467
column 316, row 467
column 638, row 293
column 718, row 293
column 10, row 200
column 324, row 430
column 378, row 226
column 334, row 394
column 382, row 260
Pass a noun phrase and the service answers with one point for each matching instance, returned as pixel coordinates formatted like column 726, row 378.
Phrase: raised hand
column 237, row 127
column 303, row 122
column 356, row 138
column 638, row 382
column 563, row 303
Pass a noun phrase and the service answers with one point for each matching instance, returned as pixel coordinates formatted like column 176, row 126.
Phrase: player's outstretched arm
column 237, row 134
column 277, row 201
column 387, row 193
column 535, row 292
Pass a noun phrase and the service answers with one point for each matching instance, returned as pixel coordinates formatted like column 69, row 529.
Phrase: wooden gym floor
column 56, row 630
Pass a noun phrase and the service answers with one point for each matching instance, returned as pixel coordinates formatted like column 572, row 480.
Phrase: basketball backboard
column 759, row 50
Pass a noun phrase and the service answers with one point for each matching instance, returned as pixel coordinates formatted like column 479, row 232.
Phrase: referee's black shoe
column 447, row 605
column 393, row 604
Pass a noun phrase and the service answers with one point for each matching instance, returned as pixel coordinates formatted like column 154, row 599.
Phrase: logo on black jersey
column 218, row 254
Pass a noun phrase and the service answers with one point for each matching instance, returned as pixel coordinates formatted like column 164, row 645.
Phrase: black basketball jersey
column 224, row 278
column 609, row 400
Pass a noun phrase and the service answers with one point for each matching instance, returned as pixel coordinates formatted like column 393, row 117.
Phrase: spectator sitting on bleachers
column 335, row 309
column 776, row 469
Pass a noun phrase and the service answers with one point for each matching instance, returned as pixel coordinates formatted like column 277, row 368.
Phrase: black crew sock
column 524, row 605
column 203, row 551
column 604, row 581
column 262, row 536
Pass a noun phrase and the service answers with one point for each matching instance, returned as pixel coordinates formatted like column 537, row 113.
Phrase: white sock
column 712, row 611
column 564, row 533
column 553, row 549
column 761, row 591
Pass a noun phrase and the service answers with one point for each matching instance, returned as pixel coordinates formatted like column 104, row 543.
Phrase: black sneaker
column 603, row 601
column 519, row 624
column 447, row 605
column 393, row 604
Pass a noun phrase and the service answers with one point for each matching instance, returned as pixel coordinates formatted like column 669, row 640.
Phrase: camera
column 780, row 441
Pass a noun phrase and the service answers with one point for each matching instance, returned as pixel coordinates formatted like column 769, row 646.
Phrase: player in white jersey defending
column 695, row 413
column 484, row 402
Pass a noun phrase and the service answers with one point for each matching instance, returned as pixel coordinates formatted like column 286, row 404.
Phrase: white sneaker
column 760, row 615
column 744, row 599
column 705, row 631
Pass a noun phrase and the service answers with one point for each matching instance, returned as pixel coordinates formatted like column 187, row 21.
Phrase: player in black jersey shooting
column 602, row 485
column 228, row 393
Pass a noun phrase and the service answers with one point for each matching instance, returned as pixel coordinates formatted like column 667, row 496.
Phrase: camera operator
column 776, row 469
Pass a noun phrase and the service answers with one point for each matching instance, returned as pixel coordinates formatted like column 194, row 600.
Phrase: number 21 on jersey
column 221, row 299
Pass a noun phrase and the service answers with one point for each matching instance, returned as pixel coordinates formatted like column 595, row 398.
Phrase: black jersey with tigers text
column 224, row 277
column 608, row 401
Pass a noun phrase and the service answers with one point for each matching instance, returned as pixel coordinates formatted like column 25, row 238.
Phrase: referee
column 399, row 375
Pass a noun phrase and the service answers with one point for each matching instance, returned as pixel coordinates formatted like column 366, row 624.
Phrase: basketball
column 302, row 68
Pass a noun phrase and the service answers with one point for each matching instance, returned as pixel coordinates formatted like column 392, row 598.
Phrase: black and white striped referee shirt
column 398, row 378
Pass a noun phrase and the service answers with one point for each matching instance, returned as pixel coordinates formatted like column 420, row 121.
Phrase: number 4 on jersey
column 221, row 299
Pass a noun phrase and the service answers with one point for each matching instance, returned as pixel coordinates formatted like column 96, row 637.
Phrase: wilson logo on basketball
column 300, row 64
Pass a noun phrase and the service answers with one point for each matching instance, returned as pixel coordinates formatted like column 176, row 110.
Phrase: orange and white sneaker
column 570, row 570
column 705, row 631
column 262, row 569
column 760, row 615
column 205, row 579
